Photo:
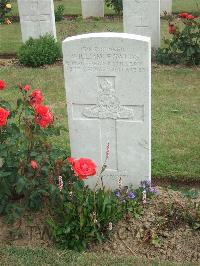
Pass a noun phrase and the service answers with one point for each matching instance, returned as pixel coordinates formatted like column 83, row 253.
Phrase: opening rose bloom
column 43, row 116
column 190, row 17
column 186, row 15
column 3, row 116
column 26, row 88
column 36, row 97
column 34, row 164
column 2, row 84
column 82, row 167
column 183, row 15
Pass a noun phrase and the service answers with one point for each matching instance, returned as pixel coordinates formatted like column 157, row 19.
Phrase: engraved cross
column 109, row 111
column 36, row 16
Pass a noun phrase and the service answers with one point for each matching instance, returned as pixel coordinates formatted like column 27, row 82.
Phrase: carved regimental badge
column 108, row 104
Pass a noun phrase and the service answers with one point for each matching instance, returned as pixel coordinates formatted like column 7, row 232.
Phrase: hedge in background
column 39, row 52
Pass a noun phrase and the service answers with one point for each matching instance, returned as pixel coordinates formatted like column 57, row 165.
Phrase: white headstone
column 107, row 81
column 165, row 6
column 142, row 17
column 92, row 8
column 36, row 18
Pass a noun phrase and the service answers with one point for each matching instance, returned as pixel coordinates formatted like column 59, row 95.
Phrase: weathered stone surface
column 92, row 8
column 107, row 80
column 142, row 17
column 165, row 6
column 36, row 18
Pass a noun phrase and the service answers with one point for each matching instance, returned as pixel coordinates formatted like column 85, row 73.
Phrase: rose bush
column 117, row 5
column 35, row 174
column 184, row 46
column 3, row 116
column 30, row 165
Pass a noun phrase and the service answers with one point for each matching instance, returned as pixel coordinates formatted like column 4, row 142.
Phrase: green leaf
column 21, row 184
column 19, row 102
column 4, row 174
column 29, row 111
column 5, row 105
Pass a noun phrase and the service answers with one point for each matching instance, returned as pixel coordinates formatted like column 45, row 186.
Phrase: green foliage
column 184, row 47
column 22, row 141
column 4, row 10
column 59, row 12
column 117, row 5
column 86, row 216
column 38, row 52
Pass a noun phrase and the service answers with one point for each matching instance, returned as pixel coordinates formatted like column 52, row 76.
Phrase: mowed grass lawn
column 13, row 256
column 175, row 113
column 74, row 6
column 10, row 35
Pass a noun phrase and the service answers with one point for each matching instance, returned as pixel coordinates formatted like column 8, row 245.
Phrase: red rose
column 70, row 160
column 43, row 116
column 83, row 167
column 2, row 84
column 171, row 29
column 41, row 109
column 3, row 116
column 35, row 97
column 26, row 88
column 190, row 17
column 183, row 15
column 34, row 164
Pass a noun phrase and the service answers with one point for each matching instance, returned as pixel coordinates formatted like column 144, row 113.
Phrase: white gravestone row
column 142, row 17
column 92, row 8
column 165, row 6
column 108, row 90
column 36, row 18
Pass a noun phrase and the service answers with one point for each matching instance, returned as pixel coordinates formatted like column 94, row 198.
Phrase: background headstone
column 107, row 81
column 92, row 8
column 165, row 6
column 36, row 18
column 142, row 17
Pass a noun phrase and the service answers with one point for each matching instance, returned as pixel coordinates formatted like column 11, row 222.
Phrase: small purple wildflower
column 146, row 183
column 154, row 190
column 131, row 195
column 117, row 194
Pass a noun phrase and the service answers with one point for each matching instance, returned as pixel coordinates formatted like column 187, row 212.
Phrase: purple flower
column 154, row 190
column 146, row 183
column 131, row 195
column 117, row 194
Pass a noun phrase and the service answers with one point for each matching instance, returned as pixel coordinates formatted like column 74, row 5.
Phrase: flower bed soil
column 29, row 231
column 162, row 232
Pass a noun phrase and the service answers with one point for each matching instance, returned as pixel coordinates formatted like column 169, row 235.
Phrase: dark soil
column 180, row 182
